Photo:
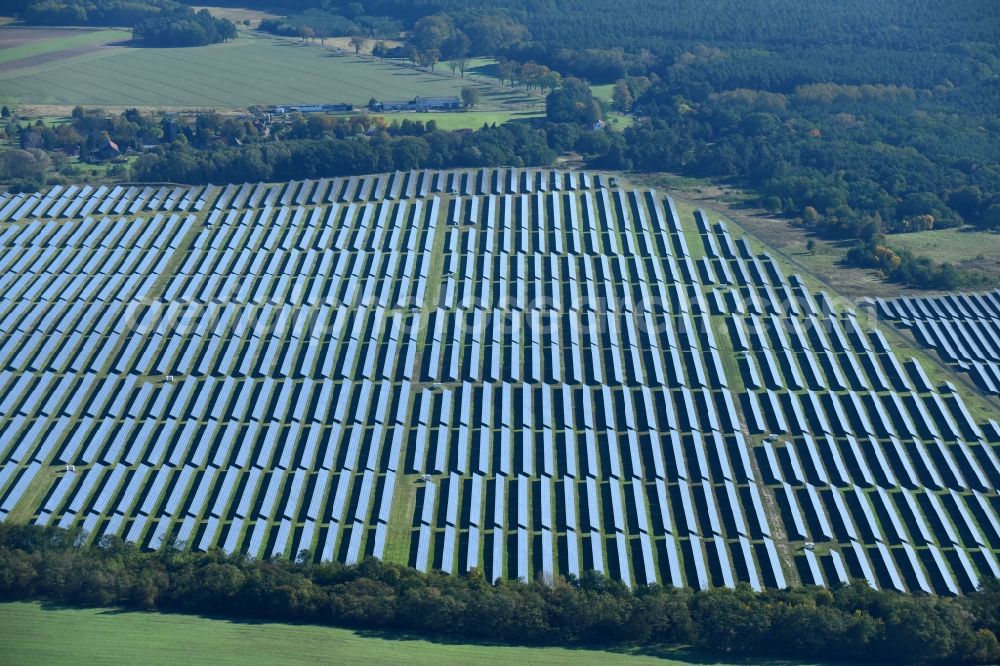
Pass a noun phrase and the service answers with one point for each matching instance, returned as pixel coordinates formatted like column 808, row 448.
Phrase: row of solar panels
column 175, row 340
column 76, row 275
column 191, row 496
column 618, row 211
column 58, row 292
column 266, row 445
column 799, row 370
column 405, row 185
column 534, row 265
column 596, row 451
column 555, row 535
column 349, row 227
column 604, row 330
column 464, row 243
column 63, row 202
column 878, row 564
column 894, row 463
column 157, row 232
column 378, row 280
column 960, row 341
column 963, row 329
column 604, row 449
column 176, row 501
column 740, row 293
column 985, row 305
column 86, row 412
column 851, row 514
column 79, row 201
column 895, row 415
column 538, row 219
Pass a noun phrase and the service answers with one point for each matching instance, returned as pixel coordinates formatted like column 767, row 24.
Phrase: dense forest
column 851, row 623
column 329, row 24
column 182, row 26
column 860, row 41
column 119, row 13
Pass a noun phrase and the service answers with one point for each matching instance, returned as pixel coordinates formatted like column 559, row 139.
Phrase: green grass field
column 465, row 120
column 615, row 119
column 33, row 634
column 952, row 245
column 250, row 70
column 603, row 92
column 977, row 250
column 73, row 39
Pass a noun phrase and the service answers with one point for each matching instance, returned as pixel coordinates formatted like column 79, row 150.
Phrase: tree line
column 326, row 157
column 850, row 622
column 210, row 147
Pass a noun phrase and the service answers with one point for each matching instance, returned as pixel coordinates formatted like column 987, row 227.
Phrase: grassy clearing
column 33, row 634
column 603, row 92
column 238, row 14
column 615, row 119
column 618, row 121
column 465, row 120
column 72, row 40
column 951, row 245
column 482, row 67
column 965, row 248
column 250, row 70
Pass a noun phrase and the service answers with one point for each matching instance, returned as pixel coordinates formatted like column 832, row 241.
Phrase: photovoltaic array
column 528, row 371
column 964, row 329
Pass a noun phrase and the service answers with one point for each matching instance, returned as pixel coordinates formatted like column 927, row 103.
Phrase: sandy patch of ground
column 238, row 14
column 344, row 44
column 21, row 35
column 43, row 58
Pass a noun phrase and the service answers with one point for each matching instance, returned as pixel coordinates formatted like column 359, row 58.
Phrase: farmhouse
column 420, row 104
column 108, row 150
column 313, row 108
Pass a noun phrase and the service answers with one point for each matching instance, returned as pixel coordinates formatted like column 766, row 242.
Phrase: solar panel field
column 532, row 372
column 964, row 329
